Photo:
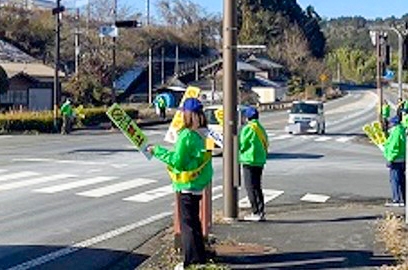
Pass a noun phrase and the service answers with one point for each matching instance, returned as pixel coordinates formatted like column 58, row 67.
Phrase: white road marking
column 306, row 137
column 18, row 175
column 281, row 137
column 87, row 243
column 315, row 198
column 269, row 195
column 151, row 194
column 214, row 190
column 67, row 161
column 5, row 136
column 115, row 188
column 34, row 181
column 344, row 139
column 323, row 139
column 76, row 184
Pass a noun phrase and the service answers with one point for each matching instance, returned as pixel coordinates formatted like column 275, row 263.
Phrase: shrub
column 44, row 121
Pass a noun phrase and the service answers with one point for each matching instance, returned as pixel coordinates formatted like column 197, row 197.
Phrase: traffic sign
column 108, row 31
column 323, row 77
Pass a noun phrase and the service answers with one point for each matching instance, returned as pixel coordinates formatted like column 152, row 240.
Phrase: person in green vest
column 253, row 151
column 161, row 103
column 67, row 116
column 190, row 169
column 386, row 112
column 394, row 153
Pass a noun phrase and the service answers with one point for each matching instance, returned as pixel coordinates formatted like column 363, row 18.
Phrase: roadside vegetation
column 393, row 232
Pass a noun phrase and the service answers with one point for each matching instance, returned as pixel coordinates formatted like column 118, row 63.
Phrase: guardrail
column 273, row 106
column 395, row 85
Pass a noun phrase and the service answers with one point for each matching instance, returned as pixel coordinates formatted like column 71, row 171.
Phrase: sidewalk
column 305, row 236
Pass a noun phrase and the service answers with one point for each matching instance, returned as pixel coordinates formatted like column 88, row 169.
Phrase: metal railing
column 274, row 106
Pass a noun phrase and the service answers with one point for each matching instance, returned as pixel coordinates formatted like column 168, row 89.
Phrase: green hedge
column 44, row 121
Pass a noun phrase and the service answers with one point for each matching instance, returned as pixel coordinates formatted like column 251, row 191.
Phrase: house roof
column 36, row 70
column 263, row 62
column 10, row 53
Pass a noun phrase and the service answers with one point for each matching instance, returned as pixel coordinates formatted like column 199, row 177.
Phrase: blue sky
column 326, row 8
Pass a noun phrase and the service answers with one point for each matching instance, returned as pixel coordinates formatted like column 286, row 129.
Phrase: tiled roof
column 10, row 53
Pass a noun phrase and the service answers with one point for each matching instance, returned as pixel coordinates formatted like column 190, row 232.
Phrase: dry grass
column 394, row 234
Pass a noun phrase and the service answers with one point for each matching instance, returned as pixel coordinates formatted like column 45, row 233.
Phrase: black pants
column 191, row 234
column 252, row 177
column 162, row 112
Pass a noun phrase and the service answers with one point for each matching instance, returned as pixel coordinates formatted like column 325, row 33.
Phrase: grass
column 393, row 232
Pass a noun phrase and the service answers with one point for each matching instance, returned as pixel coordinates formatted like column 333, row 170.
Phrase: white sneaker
column 252, row 217
column 179, row 266
column 401, row 204
column 392, row 204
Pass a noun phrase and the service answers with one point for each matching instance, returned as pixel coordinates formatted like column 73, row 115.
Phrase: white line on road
column 67, row 161
column 34, row 181
column 269, row 195
column 18, row 175
column 344, row 139
column 315, row 198
column 151, row 194
column 281, row 137
column 87, row 243
column 323, row 139
column 115, row 188
column 72, row 185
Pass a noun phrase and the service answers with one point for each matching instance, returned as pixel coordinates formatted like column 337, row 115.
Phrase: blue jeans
column 397, row 179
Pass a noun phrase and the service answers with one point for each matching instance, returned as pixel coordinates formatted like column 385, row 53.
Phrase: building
column 31, row 82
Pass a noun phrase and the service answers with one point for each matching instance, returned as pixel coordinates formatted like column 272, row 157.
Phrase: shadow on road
column 67, row 257
column 310, row 221
column 335, row 259
column 293, row 156
column 102, row 151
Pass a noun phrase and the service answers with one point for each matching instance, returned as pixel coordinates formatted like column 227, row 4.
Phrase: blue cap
column 251, row 112
column 192, row 105
column 395, row 120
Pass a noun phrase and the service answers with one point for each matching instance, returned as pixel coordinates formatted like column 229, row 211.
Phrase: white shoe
column 392, row 204
column 179, row 266
column 253, row 217
column 401, row 204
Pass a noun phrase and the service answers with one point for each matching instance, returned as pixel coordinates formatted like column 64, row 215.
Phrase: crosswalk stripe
column 115, row 188
column 18, row 175
column 322, row 139
column 76, row 184
column 34, row 181
column 344, row 139
column 269, row 195
column 281, row 137
column 315, row 198
column 151, row 194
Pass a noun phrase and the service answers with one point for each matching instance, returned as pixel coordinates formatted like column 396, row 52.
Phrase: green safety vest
column 188, row 164
column 253, row 144
column 394, row 146
column 386, row 111
column 66, row 109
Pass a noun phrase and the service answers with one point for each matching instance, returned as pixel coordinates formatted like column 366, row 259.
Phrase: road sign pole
column 230, row 108
column 379, row 64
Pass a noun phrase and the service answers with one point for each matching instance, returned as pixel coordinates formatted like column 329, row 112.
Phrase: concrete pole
column 400, row 56
column 115, row 15
column 150, row 77
column 162, row 65
column 56, row 62
column 77, row 48
column 176, row 65
column 230, row 107
column 379, row 65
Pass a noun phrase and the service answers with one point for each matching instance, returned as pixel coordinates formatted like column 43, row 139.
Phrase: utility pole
column 176, row 64
column 230, row 108
column 56, row 12
column 162, row 65
column 150, row 68
column 77, row 48
column 113, row 75
column 378, row 38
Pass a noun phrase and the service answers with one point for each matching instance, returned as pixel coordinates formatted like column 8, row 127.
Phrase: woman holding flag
column 190, row 169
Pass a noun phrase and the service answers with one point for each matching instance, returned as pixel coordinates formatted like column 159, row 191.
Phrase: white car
column 306, row 116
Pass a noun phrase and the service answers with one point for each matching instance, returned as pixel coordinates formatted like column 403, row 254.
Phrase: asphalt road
column 83, row 201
